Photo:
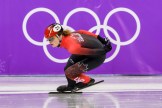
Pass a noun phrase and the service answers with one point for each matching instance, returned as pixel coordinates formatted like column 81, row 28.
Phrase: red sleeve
column 87, row 33
column 77, row 49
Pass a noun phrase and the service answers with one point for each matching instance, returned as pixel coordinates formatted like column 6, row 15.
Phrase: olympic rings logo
column 98, row 27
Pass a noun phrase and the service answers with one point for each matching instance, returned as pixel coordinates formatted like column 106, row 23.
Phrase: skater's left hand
column 107, row 41
column 108, row 47
column 104, row 41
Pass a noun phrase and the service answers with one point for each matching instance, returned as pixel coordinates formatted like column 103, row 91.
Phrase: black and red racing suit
column 87, row 53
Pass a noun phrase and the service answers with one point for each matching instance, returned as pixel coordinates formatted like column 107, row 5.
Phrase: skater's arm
column 101, row 39
column 87, row 51
column 87, row 33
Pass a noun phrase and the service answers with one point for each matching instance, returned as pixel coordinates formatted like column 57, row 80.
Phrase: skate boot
column 64, row 88
column 82, row 85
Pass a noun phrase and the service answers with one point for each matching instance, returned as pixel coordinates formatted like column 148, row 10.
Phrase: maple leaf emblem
column 83, row 67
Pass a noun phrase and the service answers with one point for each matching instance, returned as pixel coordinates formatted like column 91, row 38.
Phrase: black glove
column 104, row 41
column 108, row 46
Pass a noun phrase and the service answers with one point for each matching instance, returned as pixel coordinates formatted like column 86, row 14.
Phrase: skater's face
column 54, row 41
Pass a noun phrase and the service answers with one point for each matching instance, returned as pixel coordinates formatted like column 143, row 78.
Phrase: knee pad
column 73, row 71
column 76, row 69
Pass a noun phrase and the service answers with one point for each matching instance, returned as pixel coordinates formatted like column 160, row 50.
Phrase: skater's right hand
column 104, row 41
column 108, row 47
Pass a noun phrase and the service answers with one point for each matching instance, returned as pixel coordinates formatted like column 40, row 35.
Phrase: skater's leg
column 73, row 60
column 76, row 68
column 77, row 71
column 71, row 83
column 93, row 62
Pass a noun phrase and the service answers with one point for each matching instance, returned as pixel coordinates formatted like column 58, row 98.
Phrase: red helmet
column 53, row 30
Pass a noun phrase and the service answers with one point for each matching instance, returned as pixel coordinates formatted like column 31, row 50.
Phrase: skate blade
column 67, row 92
